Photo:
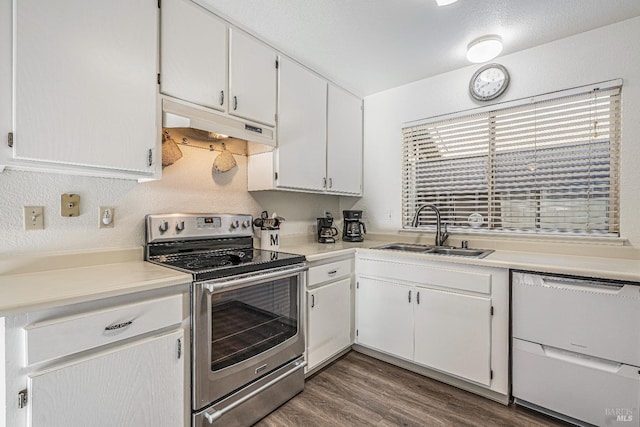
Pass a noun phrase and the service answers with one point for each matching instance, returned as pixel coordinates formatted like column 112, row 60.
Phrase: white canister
column 270, row 239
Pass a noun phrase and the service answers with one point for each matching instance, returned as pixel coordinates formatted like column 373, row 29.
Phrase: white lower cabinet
column 385, row 316
column 138, row 384
column 121, row 361
column 329, row 317
column 329, row 313
column 447, row 317
column 453, row 333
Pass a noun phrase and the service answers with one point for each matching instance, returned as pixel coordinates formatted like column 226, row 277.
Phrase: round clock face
column 489, row 82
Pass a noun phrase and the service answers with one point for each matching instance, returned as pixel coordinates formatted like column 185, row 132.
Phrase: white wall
column 602, row 54
column 189, row 185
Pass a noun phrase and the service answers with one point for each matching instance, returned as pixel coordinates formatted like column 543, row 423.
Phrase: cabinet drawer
column 331, row 271
column 590, row 317
column 593, row 390
column 64, row 336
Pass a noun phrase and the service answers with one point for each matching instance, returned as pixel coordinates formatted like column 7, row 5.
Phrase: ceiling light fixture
column 484, row 48
column 445, row 2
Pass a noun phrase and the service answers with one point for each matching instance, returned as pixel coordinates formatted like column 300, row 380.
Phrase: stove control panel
column 171, row 227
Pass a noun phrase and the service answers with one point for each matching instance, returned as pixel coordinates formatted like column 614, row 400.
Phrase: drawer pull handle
column 332, row 272
column 117, row 326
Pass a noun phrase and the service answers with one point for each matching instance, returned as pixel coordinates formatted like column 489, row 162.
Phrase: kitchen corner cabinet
column 85, row 87
column 319, row 146
column 344, row 142
column 193, row 54
column 120, row 361
column 302, row 128
column 329, row 311
column 451, row 318
column 135, row 385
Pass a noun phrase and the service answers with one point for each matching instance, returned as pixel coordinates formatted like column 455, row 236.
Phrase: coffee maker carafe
column 354, row 228
column 326, row 231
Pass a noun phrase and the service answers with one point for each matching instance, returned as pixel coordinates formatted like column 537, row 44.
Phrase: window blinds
column 543, row 167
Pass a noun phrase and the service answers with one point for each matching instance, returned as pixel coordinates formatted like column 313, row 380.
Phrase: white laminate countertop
column 32, row 283
column 29, row 283
column 611, row 268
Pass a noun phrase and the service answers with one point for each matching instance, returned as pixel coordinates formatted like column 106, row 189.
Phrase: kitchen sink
column 436, row 250
column 473, row 253
column 407, row 247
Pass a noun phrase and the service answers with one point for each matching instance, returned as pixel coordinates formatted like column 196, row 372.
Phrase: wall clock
column 489, row 82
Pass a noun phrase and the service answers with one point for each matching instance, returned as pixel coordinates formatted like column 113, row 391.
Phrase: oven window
column 248, row 321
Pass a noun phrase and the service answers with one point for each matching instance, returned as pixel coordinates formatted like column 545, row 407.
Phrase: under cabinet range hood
column 259, row 138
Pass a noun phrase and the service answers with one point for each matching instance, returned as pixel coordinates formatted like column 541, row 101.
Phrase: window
column 547, row 166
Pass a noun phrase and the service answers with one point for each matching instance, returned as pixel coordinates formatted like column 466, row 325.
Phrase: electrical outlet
column 34, row 217
column 107, row 217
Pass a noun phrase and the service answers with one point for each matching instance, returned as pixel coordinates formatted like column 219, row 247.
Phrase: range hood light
column 445, row 2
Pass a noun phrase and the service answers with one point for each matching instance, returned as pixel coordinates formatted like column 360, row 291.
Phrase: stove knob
column 163, row 227
column 246, row 224
column 179, row 226
column 235, row 224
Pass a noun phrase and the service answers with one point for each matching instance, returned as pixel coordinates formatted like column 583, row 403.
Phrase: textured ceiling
column 369, row 46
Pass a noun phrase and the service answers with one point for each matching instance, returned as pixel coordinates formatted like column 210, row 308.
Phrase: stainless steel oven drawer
column 253, row 402
column 591, row 317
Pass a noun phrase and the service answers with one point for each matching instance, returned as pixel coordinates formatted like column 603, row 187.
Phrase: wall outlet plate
column 70, row 205
column 34, row 217
column 107, row 217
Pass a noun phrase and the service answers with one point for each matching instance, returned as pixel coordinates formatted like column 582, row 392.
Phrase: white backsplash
column 187, row 186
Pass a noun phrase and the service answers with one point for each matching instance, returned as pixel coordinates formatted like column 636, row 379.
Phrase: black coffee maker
column 353, row 226
column 326, row 231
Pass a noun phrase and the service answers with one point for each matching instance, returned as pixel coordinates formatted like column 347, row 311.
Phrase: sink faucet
column 440, row 236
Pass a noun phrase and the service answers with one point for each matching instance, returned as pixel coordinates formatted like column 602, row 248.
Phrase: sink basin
column 436, row 250
column 473, row 253
column 407, row 247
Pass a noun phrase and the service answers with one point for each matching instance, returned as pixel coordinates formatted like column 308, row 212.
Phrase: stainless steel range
column 247, row 338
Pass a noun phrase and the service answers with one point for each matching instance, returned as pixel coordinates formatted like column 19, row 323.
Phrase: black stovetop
column 218, row 263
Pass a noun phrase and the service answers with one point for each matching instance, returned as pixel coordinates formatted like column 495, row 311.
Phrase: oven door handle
column 212, row 416
column 213, row 286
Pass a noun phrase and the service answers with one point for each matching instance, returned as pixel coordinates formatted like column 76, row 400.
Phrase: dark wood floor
column 358, row 390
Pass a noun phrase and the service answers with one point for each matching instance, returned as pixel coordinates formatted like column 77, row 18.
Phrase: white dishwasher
column 576, row 348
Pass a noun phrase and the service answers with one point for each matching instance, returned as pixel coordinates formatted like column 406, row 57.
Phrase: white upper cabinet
column 302, row 128
column 319, row 138
column 85, row 87
column 252, row 79
column 193, row 55
column 344, row 142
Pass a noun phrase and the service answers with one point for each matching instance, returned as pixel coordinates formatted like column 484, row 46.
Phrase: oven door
column 243, row 329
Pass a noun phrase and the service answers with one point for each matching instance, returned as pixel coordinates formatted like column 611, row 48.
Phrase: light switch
column 34, row 217
column 70, row 205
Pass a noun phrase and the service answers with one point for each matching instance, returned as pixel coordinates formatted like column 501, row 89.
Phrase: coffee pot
column 354, row 228
column 326, row 231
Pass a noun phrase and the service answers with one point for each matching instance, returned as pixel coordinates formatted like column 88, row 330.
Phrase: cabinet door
column 253, row 79
column 85, row 83
column 138, row 384
column 329, row 321
column 302, row 128
column 193, row 54
column 385, row 316
column 453, row 333
column 344, row 142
